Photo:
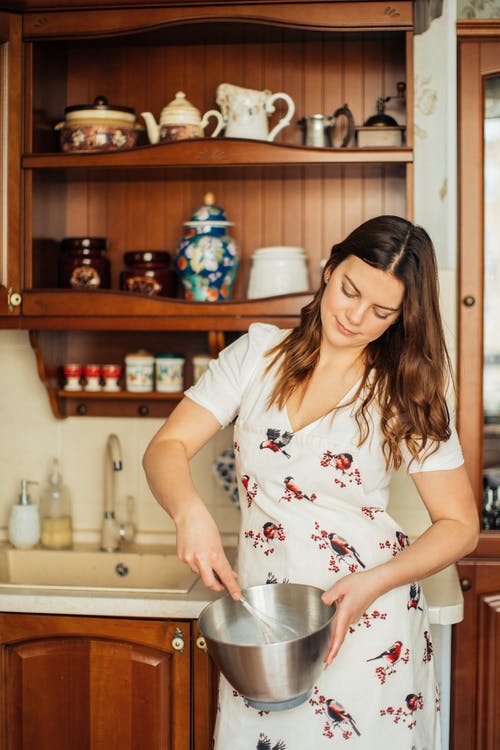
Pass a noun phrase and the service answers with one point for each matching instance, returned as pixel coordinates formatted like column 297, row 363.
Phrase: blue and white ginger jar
column 207, row 257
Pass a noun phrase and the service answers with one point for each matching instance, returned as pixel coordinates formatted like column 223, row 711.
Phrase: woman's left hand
column 353, row 595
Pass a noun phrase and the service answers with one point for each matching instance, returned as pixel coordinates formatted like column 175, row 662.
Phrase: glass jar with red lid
column 83, row 263
column 148, row 272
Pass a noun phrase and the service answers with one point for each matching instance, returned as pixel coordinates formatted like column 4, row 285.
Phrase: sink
column 141, row 570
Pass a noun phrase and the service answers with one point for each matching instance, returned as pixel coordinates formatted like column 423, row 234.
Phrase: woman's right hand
column 200, row 546
column 166, row 463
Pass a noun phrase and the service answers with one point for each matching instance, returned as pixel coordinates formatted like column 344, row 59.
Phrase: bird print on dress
column 402, row 539
column 264, row 743
column 345, row 471
column 407, row 713
column 414, row 597
column 267, row 538
column 392, row 658
column 368, row 620
column 276, row 441
column 397, row 545
column 341, row 551
column 292, row 492
column 250, row 489
column 272, row 578
column 429, row 648
column 371, row 510
column 338, row 719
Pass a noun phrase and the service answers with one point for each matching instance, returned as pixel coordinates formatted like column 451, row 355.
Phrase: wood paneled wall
column 312, row 206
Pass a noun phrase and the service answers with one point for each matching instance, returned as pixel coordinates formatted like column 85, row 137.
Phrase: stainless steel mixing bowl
column 271, row 676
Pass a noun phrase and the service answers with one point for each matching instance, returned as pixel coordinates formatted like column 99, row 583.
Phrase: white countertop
column 442, row 591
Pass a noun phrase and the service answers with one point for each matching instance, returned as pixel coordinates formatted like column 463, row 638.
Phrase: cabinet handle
column 469, row 300
column 201, row 643
column 82, row 409
column 178, row 641
column 14, row 299
column 465, row 584
column 143, row 410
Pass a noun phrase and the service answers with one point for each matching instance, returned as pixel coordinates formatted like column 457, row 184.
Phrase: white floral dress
column 313, row 509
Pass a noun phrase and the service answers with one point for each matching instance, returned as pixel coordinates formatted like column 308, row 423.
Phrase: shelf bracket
column 216, row 342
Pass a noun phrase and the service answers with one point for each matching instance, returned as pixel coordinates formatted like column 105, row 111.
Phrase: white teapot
column 246, row 111
column 180, row 120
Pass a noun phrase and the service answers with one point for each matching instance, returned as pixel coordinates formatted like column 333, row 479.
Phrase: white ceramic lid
column 278, row 250
column 180, row 112
column 139, row 357
column 98, row 111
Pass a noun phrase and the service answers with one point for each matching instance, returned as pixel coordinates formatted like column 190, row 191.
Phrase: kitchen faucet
column 110, row 531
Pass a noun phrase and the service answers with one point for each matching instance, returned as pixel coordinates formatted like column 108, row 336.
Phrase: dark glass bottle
column 83, row 263
column 148, row 272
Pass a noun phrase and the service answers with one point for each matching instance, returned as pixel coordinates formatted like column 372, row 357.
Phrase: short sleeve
column 221, row 387
column 448, row 456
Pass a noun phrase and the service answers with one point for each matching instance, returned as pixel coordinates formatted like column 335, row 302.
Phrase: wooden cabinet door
column 10, row 169
column 476, row 660
column 478, row 366
column 86, row 683
column 204, row 693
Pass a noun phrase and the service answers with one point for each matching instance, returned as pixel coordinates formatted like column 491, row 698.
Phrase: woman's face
column 359, row 303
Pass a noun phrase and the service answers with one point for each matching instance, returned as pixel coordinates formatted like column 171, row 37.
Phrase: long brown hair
column 407, row 369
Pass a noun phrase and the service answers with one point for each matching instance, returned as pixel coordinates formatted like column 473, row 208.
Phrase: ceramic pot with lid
column 276, row 270
column 139, row 371
column 180, row 120
column 207, row 258
column 98, row 127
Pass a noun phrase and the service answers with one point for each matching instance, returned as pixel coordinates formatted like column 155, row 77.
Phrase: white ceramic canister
column 139, row 371
column 278, row 270
column 201, row 363
column 169, row 373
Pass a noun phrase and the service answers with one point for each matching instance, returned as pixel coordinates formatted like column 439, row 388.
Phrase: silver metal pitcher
column 318, row 128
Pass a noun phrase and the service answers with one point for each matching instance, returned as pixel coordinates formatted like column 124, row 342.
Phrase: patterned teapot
column 180, row 120
column 207, row 259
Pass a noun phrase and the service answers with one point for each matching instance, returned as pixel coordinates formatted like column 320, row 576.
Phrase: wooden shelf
column 55, row 347
column 224, row 152
column 118, row 18
column 61, row 309
column 118, row 395
column 112, row 404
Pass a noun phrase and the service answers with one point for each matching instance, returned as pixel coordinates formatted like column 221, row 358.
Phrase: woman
column 325, row 413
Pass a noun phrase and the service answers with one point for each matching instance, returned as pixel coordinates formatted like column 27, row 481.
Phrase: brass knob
column 14, row 299
column 178, row 641
column 465, row 584
column 201, row 643
column 143, row 410
column 469, row 300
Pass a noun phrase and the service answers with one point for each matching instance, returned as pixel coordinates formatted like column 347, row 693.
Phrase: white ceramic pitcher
column 245, row 112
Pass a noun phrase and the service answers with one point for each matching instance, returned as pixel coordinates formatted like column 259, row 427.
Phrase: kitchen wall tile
column 30, row 436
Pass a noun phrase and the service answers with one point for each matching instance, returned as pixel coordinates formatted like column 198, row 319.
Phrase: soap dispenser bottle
column 55, row 512
column 24, row 521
